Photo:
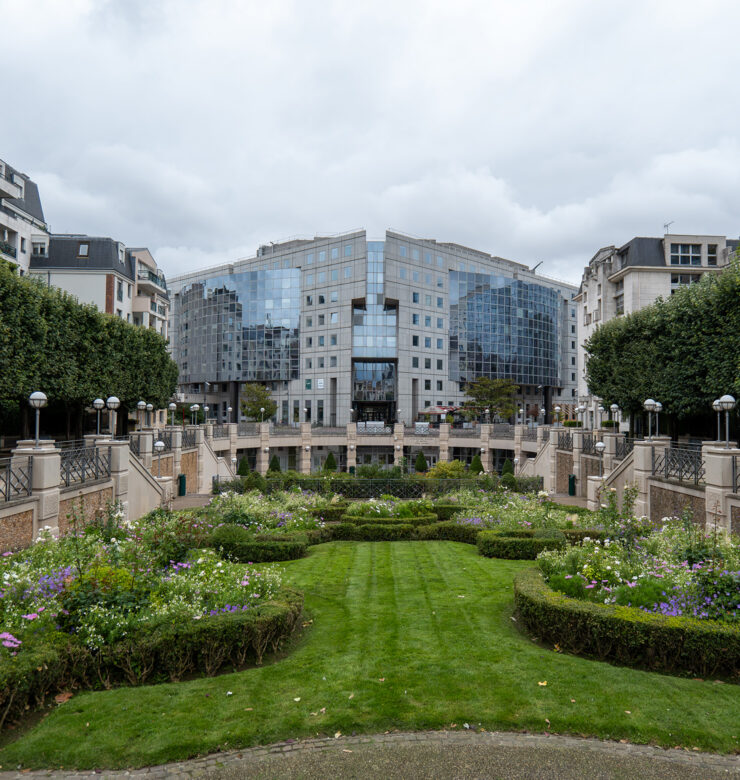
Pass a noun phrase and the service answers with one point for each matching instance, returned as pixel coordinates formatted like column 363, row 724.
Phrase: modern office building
column 345, row 329
column 619, row 281
column 23, row 230
column 119, row 281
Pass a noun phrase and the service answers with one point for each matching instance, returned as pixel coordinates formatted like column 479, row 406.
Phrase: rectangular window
column 348, row 250
column 128, row 290
column 414, row 297
column 414, row 319
column 440, row 322
column 440, row 343
column 427, row 300
column 427, row 363
column 332, row 361
column 335, row 274
column 439, row 365
column 572, row 377
column 333, row 340
column 309, row 279
column 712, row 254
column 322, row 319
column 414, row 341
column 309, row 362
column 308, row 384
column 309, row 341
column 321, row 341
column 572, row 361
column 309, row 322
column 402, row 272
column 440, row 261
column 402, row 250
column 309, row 258
column 572, row 344
column 414, row 253
column 334, row 317
column 427, row 342
column 321, row 362
column 333, row 296
column 347, row 271
column 83, row 250
column 309, row 300
column 685, row 254
column 414, row 362
column 415, row 276
column 427, row 404
column 440, row 303
column 321, row 277
column 322, row 299
column 440, row 282
column 427, row 384
column 322, row 255
column 428, row 279
column 439, row 385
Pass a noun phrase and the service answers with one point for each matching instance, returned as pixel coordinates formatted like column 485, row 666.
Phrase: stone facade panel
column 564, row 468
column 166, row 466
column 16, row 531
column 86, row 505
column 668, row 501
column 735, row 520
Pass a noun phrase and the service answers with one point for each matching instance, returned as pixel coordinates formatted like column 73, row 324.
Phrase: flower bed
column 115, row 603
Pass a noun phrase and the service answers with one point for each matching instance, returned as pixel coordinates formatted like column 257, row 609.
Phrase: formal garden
column 286, row 613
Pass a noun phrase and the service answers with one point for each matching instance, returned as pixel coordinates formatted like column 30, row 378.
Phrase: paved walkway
column 440, row 755
column 564, row 498
column 191, row 501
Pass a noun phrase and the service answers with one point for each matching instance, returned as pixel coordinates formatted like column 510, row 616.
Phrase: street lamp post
column 727, row 402
column 599, row 447
column 649, row 406
column 159, row 446
column 600, row 410
column 37, row 401
column 516, row 464
column 658, row 410
column 718, row 408
column 229, row 411
column 172, row 407
column 262, row 414
column 614, row 410
column 557, row 416
column 141, row 406
column 194, row 409
column 98, row 405
column 112, row 403
column 149, row 410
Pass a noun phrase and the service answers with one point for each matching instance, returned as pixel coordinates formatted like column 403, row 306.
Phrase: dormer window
column 83, row 250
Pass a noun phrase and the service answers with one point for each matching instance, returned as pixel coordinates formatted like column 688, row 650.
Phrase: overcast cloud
column 531, row 130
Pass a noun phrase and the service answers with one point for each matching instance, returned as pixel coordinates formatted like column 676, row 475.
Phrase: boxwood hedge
column 449, row 530
column 626, row 635
column 493, row 545
column 370, row 519
column 163, row 653
column 237, row 544
column 446, row 511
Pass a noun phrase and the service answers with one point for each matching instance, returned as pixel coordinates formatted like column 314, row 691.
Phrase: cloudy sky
column 531, row 130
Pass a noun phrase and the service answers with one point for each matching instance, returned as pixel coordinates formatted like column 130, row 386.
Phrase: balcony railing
column 15, row 478
column 247, row 429
column 530, row 434
column 588, row 446
column 165, row 438
column 681, row 463
column 372, row 429
column 149, row 276
column 421, row 429
column 220, row 432
column 284, row 430
column 625, row 445
column 7, row 248
column 504, row 431
column 188, row 440
column 83, row 464
column 565, row 440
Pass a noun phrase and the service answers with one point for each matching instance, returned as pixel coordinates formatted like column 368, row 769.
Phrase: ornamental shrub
column 508, row 481
column 572, row 423
column 243, row 469
column 455, row 469
column 476, row 467
column 420, row 465
column 507, row 468
column 446, row 511
column 330, row 464
column 414, row 520
column 493, row 545
column 549, row 533
column 630, row 636
column 274, row 464
column 391, row 532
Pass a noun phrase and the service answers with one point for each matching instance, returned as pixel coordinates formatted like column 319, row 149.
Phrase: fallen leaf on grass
column 247, row 709
column 628, row 712
column 351, row 696
column 345, row 750
column 381, row 679
column 624, row 741
column 322, row 710
column 297, row 698
column 337, row 735
column 60, row 698
column 461, row 597
column 544, row 682
column 572, row 701
column 314, row 713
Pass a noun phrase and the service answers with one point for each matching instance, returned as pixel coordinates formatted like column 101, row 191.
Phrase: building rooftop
column 102, row 255
column 31, row 201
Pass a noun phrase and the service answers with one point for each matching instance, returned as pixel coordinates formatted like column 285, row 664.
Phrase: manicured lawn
column 407, row 635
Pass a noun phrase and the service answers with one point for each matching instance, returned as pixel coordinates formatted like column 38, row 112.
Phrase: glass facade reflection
column 503, row 327
column 241, row 327
column 374, row 323
column 374, row 381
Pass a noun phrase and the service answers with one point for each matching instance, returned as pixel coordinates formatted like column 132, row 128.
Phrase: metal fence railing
column 328, row 430
column 565, row 440
column 588, row 446
column 681, row 463
column 165, row 438
column 247, row 429
column 625, row 445
column 220, row 432
column 420, row 429
column 83, row 464
column 188, row 440
column 15, row 478
column 134, row 444
column 503, row 431
column 363, row 429
column 469, row 433
column 530, row 434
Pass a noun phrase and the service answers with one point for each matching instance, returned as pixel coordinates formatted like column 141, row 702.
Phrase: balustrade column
column 146, row 448
column 233, row 430
column 201, row 447
column 305, row 454
column 45, row 477
column 444, row 442
column 263, row 457
column 610, row 450
column 351, row 446
column 518, row 436
column 176, row 438
column 398, row 432
column 119, row 468
column 486, row 458
column 718, row 484
column 581, row 486
column 551, row 479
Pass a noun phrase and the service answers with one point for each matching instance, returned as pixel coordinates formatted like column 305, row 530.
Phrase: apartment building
column 23, row 230
column 619, row 281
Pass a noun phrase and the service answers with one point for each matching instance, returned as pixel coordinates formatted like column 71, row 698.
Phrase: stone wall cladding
column 668, row 502
column 589, row 467
column 93, row 504
column 565, row 467
column 166, row 466
column 16, row 531
column 189, row 467
column 735, row 520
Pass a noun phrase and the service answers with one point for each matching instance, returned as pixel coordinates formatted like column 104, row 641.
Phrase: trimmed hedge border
column 237, row 544
column 449, row 531
column 493, row 545
column 446, row 511
column 372, row 532
column 416, row 520
column 165, row 653
column 626, row 635
column 332, row 513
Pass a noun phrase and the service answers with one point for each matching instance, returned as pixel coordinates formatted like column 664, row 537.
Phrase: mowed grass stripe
column 387, row 610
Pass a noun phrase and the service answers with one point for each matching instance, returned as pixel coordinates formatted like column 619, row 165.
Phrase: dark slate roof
column 102, row 255
column 642, row 251
column 732, row 244
column 31, row 201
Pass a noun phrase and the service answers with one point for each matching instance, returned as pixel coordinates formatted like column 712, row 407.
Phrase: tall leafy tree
column 255, row 397
column 496, row 395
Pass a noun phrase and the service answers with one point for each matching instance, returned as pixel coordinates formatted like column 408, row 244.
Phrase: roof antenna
column 537, row 266
column 667, row 225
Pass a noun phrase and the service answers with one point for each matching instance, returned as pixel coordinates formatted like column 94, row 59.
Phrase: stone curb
column 199, row 767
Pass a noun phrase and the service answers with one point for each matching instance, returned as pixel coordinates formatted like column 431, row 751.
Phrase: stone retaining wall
column 16, row 529
column 671, row 500
column 86, row 503
column 564, row 468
